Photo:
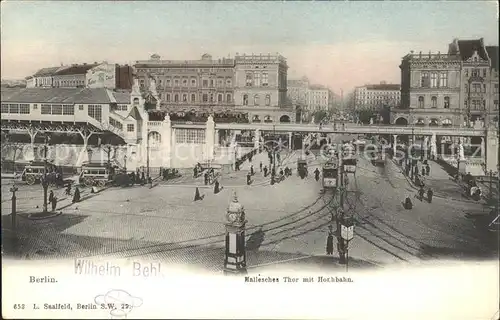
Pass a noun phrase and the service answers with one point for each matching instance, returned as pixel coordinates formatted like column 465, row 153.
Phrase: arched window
column 433, row 123
column 421, row 102
column 245, row 99
column 420, row 122
column 446, row 123
column 446, row 102
column 167, row 97
column 176, row 98
column 136, row 101
column 268, row 100
column 154, row 139
column 228, row 98
column 219, row 97
column 184, row 97
column 434, row 101
column 193, row 97
column 256, row 99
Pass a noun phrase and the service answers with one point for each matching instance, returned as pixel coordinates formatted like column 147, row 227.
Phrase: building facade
column 318, row 98
column 453, row 88
column 96, row 75
column 310, row 97
column 374, row 96
column 250, row 85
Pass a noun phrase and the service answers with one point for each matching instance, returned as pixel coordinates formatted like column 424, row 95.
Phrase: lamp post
column 45, row 183
column 13, row 214
column 273, row 170
column 347, row 234
column 147, row 156
column 235, row 254
column 125, row 162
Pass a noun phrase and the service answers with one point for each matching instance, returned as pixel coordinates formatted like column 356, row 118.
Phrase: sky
column 337, row 44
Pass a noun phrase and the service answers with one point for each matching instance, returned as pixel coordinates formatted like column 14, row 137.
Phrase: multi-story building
column 261, row 86
column 298, row 91
column 96, row 75
column 253, row 85
column 374, row 96
column 454, row 88
column 204, row 85
column 319, row 98
column 310, row 97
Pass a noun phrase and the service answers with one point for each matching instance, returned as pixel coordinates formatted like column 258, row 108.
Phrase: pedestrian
column 423, row 171
column 250, row 157
column 237, row 165
column 205, row 178
column 143, row 178
column 249, row 179
column 216, row 187
column 265, row 171
column 197, row 195
column 68, row 189
column 76, row 196
column 421, row 193
column 329, row 244
column 429, row 195
column 251, row 170
column 54, row 203
column 316, row 174
column 260, row 166
column 408, row 205
column 51, row 196
column 428, row 169
column 150, row 181
column 195, row 172
column 278, row 157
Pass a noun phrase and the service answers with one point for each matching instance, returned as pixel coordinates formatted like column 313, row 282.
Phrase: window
column 176, row 97
column 475, row 73
column 80, row 107
column 95, row 111
column 420, row 102
column 184, row 97
column 256, row 100
column 130, row 127
column 211, row 83
column 220, row 83
column 249, row 80
column 443, row 80
column 136, row 101
column 115, row 123
column 484, row 88
column 184, row 83
column 193, row 82
column 433, row 80
column 495, row 88
column 205, row 97
column 228, row 82
column 24, row 109
column 245, row 99
column 176, row 82
column 169, row 83
column 219, row 97
column 495, row 104
column 424, row 82
column 167, row 97
column 69, row 110
column 476, row 87
column 46, row 109
column 256, row 78
column 484, row 73
column 5, row 108
column 193, row 97
column 141, row 83
column 205, row 83
column 35, row 106
column 211, row 97
column 57, row 109
column 466, row 72
column 434, row 102
column 446, row 102
column 265, row 79
column 268, row 100
column 190, row 136
column 228, row 98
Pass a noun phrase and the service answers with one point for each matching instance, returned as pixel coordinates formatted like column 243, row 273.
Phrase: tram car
column 302, row 168
column 330, row 174
column 34, row 171
column 96, row 173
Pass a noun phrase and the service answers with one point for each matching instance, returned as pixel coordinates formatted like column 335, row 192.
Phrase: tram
column 330, row 174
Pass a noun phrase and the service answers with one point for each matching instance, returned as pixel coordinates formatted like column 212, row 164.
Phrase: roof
column 493, row 54
column 467, row 48
column 122, row 97
column 75, row 69
column 46, row 71
column 389, row 87
column 55, row 95
column 134, row 113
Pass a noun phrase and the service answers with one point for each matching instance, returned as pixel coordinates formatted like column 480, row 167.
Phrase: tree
column 319, row 116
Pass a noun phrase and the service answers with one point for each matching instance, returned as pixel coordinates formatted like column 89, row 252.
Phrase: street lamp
column 347, row 234
column 13, row 214
column 273, row 170
column 45, row 183
column 147, row 156
column 125, row 162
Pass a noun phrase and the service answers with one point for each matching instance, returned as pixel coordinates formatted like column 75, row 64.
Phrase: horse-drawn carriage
column 36, row 171
column 96, row 173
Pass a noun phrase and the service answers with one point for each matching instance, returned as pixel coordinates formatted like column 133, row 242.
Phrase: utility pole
column 273, row 170
column 147, row 155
